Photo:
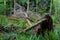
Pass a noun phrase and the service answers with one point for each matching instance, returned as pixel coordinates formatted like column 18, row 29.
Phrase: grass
column 28, row 35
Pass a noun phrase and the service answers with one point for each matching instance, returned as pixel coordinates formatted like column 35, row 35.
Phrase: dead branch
column 28, row 19
column 29, row 28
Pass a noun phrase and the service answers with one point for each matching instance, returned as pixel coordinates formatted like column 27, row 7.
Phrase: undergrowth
column 26, row 36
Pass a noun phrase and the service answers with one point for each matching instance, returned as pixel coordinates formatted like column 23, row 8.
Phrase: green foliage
column 1, row 0
column 6, row 7
column 2, row 8
column 51, row 36
column 1, row 36
column 55, row 8
column 24, row 36
column 19, row 22
column 54, row 18
column 3, row 20
column 37, row 1
column 6, row 22
column 23, row 2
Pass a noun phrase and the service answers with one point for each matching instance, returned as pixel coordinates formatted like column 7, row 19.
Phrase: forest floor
column 14, row 35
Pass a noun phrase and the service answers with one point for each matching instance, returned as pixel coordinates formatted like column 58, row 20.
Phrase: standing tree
column 5, row 5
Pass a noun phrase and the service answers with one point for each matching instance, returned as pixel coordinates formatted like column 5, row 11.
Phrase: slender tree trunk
column 14, row 7
column 5, row 9
column 27, row 14
column 27, row 6
column 10, row 7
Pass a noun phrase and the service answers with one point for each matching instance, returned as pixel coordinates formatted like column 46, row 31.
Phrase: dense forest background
column 14, row 14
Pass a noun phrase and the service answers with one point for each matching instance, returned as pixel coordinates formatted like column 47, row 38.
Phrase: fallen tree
column 45, row 23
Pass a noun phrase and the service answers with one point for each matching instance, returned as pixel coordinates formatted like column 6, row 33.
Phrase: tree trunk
column 27, row 6
column 14, row 7
column 5, row 9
